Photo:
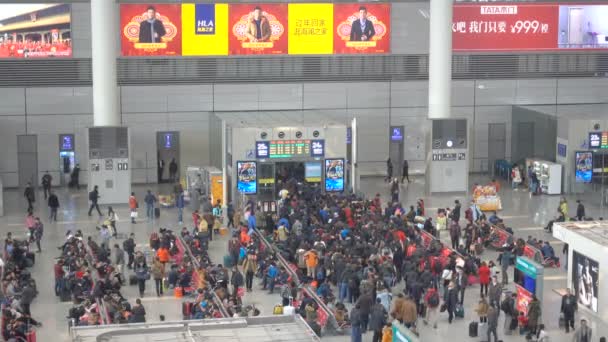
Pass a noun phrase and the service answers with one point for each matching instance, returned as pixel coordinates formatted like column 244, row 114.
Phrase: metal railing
column 92, row 259
column 216, row 299
column 331, row 318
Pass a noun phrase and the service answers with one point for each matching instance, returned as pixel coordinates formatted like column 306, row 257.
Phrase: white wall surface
column 48, row 112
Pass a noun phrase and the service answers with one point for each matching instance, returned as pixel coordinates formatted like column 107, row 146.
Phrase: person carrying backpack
column 47, row 180
column 129, row 247
column 30, row 196
column 432, row 301
column 94, row 197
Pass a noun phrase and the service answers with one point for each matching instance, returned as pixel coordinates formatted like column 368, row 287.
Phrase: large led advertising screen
column 214, row 29
column 311, row 29
column 257, row 29
column 517, row 27
column 35, row 30
column 247, row 177
column 362, row 28
column 204, row 29
column 150, row 30
column 585, row 280
column 584, row 166
column 334, row 175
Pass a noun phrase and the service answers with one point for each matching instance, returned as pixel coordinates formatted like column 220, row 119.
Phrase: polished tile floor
column 526, row 214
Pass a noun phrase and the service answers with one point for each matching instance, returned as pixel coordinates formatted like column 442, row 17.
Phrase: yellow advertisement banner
column 204, row 29
column 311, row 29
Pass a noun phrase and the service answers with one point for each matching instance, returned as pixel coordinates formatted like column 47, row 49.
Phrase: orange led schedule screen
column 257, row 29
column 362, row 28
column 151, row 29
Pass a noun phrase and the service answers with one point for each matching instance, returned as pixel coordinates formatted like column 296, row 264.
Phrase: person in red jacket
column 484, row 278
column 432, row 301
column 163, row 255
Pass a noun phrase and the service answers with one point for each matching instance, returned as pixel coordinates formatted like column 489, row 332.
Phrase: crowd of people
column 18, row 290
column 33, row 48
column 356, row 251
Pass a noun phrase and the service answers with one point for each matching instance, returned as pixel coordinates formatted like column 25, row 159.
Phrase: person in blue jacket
column 179, row 204
column 271, row 275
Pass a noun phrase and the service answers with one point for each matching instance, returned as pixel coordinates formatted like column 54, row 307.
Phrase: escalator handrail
column 306, row 288
column 216, row 298
column 104, row 315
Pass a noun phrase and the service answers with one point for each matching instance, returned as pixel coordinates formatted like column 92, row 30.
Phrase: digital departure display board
column 290, row 149
column 598, row 140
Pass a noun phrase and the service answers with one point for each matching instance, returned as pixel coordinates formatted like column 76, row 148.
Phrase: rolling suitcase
column 459, row 311
column 65, row 295
column 157, row 212
column 473, row 327
column 132, row 279
column 289, row 310
column 482, row 331
column 187, row 310
column 31, row 256
column 228, row 262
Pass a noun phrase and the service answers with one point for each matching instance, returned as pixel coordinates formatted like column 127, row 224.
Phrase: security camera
column 596, row 126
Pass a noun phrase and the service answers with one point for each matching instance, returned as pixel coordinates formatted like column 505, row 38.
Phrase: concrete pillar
column 440, row 60
column 104, row 32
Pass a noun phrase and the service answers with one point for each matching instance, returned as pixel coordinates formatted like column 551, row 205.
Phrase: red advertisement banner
column 533, row 253
column 524, row 297
column 257, row 29
column 151, row 29
column 505, row 27
column 362, row 28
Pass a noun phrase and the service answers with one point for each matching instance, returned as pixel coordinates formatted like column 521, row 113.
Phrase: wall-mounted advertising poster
column 494, row 27
column 585, row 279
column 257, row 29
column 362, row 28
column 204, row 29
column 334, row 175
column 524, row 297
column 311, row 28
column 247, row 177
column 583, row 26
column 151, row 29
column 35, row 30
column 584, row 166
column 518, row 27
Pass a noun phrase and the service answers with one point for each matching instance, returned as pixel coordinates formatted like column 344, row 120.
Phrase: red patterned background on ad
column 274, row 18
column 505, row 27
column 378, row 14
column 131, row 16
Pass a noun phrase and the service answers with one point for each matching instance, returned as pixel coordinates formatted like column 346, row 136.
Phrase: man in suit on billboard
column 151, row 30
column 362, row 29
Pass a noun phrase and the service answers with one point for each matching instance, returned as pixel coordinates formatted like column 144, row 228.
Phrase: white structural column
column 440, row 59
column 224, row 166
column 354, row 172
column 104, row 33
